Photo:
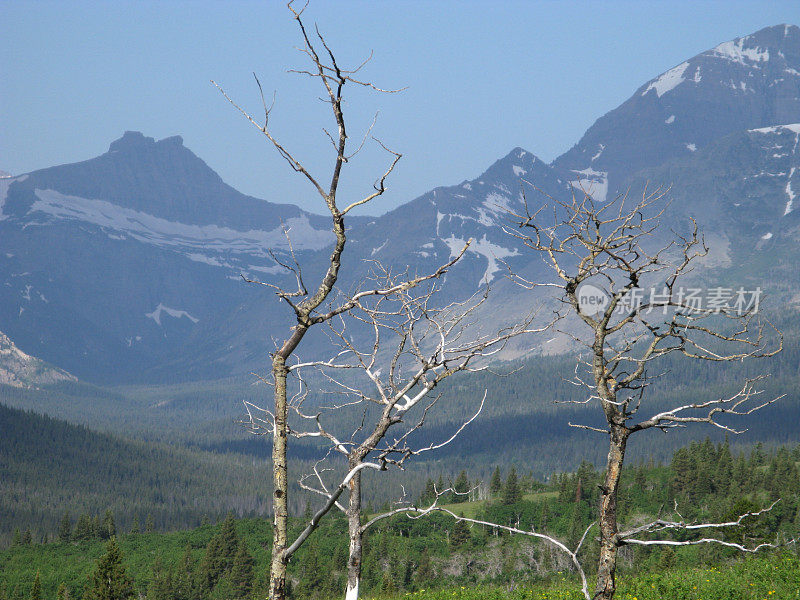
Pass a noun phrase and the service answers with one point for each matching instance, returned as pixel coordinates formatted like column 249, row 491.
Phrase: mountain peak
column 749, row 82
column 137, row 141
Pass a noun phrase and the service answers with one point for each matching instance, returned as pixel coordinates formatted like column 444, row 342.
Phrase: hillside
column 49, row 466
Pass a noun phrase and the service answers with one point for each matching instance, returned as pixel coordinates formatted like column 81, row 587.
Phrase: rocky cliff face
column 20, row 370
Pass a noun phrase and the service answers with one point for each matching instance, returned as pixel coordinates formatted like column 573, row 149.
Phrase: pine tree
column 160, row 587
column 211, row 568
column 97, row 528
column 182, row 577
column 460, row 534
column 425, row 573
column 83, row 528
column 36, row 590
column 65, row 528
column 135, row 525
column 242, row 572
column 17, row 539
column 108, row 528
column 149, row 523
column 228, row 542
column 461, row 487
column 511, row 490
column 27, row 538
column 430, row 492
column 110, row 581
column 496, row 484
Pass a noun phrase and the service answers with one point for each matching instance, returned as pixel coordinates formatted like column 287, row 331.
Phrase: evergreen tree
column 511, row 490
column 312, row 574
column 228, row 543
column 461, row 487
column 63, row 592
column 65, row 528
column 17, row 539
column 160, row 587
column 210, row 569
column 97, row 528
column 242, row 572
column 149, row 523
column 425, row 573
column 682, row 468
column 182, row 577
column 430, row 492
column 496, row 483
column 36, row 590
column 135, row 525
column 460, row 534
column 108, row 528
column 83, row 528
column 110, row 581
column 27, row 538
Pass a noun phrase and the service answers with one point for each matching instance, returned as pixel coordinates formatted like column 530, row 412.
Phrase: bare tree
column 305, row 304
column 604, row 254
column 389, row 377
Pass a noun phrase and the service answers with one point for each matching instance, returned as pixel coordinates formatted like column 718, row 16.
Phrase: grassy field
column 471, row 509
column 753, row 578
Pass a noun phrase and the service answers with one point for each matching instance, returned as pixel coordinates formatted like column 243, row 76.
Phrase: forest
column 436, row 556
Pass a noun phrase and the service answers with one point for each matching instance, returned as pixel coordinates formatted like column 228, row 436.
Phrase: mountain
column 127, row 267
column 746, row 83
column 20, row 370
column 130, row 262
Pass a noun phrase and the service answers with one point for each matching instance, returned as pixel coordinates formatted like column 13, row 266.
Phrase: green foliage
column 65, row 528
column 36, row 589
column 215, row 562
column 512, row 492
column 110, row 580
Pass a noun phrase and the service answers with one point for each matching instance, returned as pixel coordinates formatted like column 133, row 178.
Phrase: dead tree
column 303, row 301
column 389, row 378
column 605, row 255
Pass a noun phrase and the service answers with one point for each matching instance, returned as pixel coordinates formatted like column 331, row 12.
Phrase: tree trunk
column 607, row 566
column 277, row 589
column 355, row 532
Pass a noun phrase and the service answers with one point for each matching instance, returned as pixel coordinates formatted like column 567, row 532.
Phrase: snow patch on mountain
column 519, row 171
column 790, row 193
column 735, row 51
column 793, row 127
column 670, row 120
column 668, row 81
column 172, row 312
column 594, row 183
column 154, row 230
column 493, row 253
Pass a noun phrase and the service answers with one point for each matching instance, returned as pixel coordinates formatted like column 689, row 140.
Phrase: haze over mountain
column 127, row 266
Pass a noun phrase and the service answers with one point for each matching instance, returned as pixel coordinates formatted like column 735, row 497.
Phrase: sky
column 481, row 78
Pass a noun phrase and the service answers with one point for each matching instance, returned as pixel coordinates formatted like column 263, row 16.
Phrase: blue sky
column 482, row 79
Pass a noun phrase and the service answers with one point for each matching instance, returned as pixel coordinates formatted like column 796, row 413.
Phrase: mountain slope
column 750, row 82
column 130, row 263
column 48, row 466
column 20, row 370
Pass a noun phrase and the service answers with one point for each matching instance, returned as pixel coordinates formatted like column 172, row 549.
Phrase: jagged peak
column 135, row 140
